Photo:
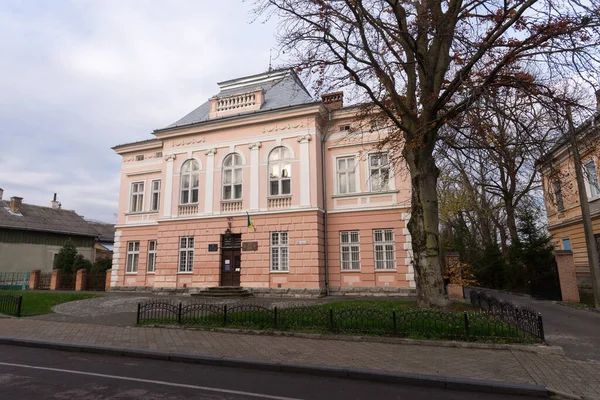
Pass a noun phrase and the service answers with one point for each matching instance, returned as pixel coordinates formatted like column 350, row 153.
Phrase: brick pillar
column 455, row 291
column 80, row 280
column 108, row 276
column 34, row 279
column 55, row 280
column 566, row 275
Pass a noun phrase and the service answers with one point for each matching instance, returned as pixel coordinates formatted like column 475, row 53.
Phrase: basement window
column 344, row 128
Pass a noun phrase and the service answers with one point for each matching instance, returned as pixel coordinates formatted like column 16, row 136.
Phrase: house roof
column 281, row 88
column 45, row 219
column 105, row 231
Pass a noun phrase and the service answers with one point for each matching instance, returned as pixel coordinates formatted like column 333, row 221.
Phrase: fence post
column 24, row 280
column 275, row 317
column 179, row 314
column 331, row 319
column 466, row 326
column 225, row 315
column 541, row 328
column 20, row 304
column 138, row 313
column 394, row 319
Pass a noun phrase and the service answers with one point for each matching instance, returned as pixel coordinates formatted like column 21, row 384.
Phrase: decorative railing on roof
column 235, row 102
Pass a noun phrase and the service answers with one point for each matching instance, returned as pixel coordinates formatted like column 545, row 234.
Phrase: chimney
column 333, row 101
column 55, row 204
column 1, row 193
column 15, row 204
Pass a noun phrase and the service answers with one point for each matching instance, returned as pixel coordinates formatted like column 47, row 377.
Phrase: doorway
column 231, row 259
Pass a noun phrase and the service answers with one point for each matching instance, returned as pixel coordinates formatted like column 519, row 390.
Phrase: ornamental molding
column 255, row 145
column 210, row 152
column 304, row 138
column 284, row 127
column 170, row 157
column 187, row 142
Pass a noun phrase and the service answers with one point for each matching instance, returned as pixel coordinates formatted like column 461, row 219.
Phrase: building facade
column 265, row 188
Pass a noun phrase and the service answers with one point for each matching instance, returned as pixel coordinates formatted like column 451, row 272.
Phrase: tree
column 422, row 63
column 81, row 263
column 66, row 257
column 102, row 264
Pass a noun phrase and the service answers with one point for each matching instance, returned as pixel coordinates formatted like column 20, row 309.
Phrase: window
column 566, row 243
column 379, row 172
column 344, row 128
column 346, row 175
column 280, row 172
column 232, row 177
column 152, row 256
column 186, row 254
column 133, row 256
column 158, row 154
column 350, row 251
column 383, row 243
column 591, row 176
column 139, row 158
column 190, row 178
column 155, row 196
column 279, row 251
column 558, row 198
column 137, row 197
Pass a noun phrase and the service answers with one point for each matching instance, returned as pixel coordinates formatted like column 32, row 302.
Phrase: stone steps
column 224, row 291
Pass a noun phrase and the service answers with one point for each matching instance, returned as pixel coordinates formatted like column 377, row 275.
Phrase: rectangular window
column 591, row 176
column 186, row 254
column 379, row 172
column 566, row 243
column 279, row 251
column 346, row 174
column 385, row 254
column 155, row 196
column 344, row 128
column 133, row 256
column 350, row 251
column 152, row 256
column 137, row 197
column 139, row 158
column 558, row 198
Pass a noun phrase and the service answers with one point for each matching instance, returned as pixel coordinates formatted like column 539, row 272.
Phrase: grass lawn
column 37, row 303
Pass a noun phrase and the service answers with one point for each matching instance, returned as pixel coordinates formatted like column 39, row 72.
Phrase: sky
column 78, row 77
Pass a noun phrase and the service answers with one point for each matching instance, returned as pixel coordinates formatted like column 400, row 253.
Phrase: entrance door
column 231, row 260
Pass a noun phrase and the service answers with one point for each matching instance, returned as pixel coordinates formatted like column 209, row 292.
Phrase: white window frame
column 280, row 251
column 351, row 248
column 136, row 196
column 236, row 165
column 389, row 185
column 339, row 173
column 186, row 247
column 191, row 188
column 133, row 257
column 151, row 262
column 387, row 262
column 593, row 192
column 155, row 193
column 562, row 242
column 280, row 163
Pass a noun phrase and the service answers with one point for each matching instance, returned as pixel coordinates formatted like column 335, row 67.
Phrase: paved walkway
column 556, row 372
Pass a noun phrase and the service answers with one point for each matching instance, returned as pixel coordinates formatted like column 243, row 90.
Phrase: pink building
column 328, row 210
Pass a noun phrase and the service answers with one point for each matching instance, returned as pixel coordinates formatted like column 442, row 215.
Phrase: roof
column 281, row 88
column 583, row 128
column 44, row 219
column 105, row 231
column 138, row 143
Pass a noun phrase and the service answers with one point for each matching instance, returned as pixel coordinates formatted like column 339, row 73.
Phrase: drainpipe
column 324, row 180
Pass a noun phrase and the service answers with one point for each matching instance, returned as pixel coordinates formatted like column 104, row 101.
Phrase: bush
column 66, row 257
column 102, row 264
column 81, row 263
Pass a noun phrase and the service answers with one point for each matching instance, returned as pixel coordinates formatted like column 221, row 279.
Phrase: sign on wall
column 249, row 246
column 213, row 247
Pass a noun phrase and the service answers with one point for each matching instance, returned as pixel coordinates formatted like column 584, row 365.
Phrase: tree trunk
column 424, row 226
column 511, row 221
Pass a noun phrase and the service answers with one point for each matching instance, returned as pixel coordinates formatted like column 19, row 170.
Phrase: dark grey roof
column 105, row 231
column 284, row 91
column 45, row 219
column 146, row 141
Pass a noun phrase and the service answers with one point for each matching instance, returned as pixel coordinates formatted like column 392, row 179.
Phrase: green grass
column 37, row 303
column 586, row 298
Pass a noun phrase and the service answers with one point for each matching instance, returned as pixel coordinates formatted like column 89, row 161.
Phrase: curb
column 533, row 348
column 560, row 303
column 440, row 382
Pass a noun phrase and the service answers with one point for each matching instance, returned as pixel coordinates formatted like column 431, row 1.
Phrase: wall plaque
column 249, row 246
column 302, row 241
column 213, row 247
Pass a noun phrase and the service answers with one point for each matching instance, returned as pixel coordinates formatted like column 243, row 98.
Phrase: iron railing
column 45, row 280
column 11, row 304
column 67, row 281
column 95, row 281
column 14, row 280
column 415, row 323
column 524, row 318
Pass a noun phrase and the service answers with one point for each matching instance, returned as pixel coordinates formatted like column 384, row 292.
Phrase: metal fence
column 67, row 281
column 95, row 281
column 11, row 304
column 525, row 318
column 416, row 323
column 45, row 280
column 14, row 280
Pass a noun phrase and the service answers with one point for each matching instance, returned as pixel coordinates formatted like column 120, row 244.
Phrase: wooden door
column 231, row 260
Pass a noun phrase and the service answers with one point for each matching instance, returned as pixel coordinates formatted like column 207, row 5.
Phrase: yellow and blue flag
column 250, row 225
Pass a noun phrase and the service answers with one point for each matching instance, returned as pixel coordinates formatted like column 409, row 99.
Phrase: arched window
column 280, row 172
column 189, row 182
column 232, row 177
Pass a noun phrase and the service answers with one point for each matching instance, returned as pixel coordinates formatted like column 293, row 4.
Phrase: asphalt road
column 29, row 373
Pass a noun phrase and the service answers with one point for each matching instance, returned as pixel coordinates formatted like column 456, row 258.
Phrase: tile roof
column 45, row 219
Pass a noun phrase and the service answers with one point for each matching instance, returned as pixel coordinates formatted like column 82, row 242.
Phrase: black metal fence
column 11, row 304
column 524, row 318
column 415, row 323
column 95, row 281
column 45, row 280
column 67, row 281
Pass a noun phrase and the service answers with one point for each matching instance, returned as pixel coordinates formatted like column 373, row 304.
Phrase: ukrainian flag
column 250, row 225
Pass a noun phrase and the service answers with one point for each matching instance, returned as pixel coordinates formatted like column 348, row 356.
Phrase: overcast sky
column 80, row 76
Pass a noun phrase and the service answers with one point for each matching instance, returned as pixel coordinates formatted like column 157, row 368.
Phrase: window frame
column 191, row 188
column 131, row 261
column 279, row 247
column 232, row 168
column 562, row 242
column 347, row 173
column 151, row 261
column 384, row 243
column 379, row 167
column 155, row 192
column 558, row 197
column 350, row 251
column 280, row 162
column 588, row 181
column 136, row 197
column 188, row 249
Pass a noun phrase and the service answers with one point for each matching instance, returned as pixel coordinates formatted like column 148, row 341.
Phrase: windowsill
column 231, row 201
column 185, row 272
column 188, row 204
column 386, row 270
column 141, row 212
column 282, row 196
column 361, row 194
column 131, row 273
column 150, row 273
column 279, row 272
column 592, row 199
column 350, row 270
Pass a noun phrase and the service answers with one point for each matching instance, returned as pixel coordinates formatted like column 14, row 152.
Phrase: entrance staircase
column 224, row 291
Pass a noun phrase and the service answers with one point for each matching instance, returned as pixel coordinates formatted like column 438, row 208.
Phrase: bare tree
column 423, row 62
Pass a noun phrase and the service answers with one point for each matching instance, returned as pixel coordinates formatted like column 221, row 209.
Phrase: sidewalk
column 553, row 371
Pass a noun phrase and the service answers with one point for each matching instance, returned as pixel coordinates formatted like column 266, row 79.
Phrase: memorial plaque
column 249, row 246
column 213, row 247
